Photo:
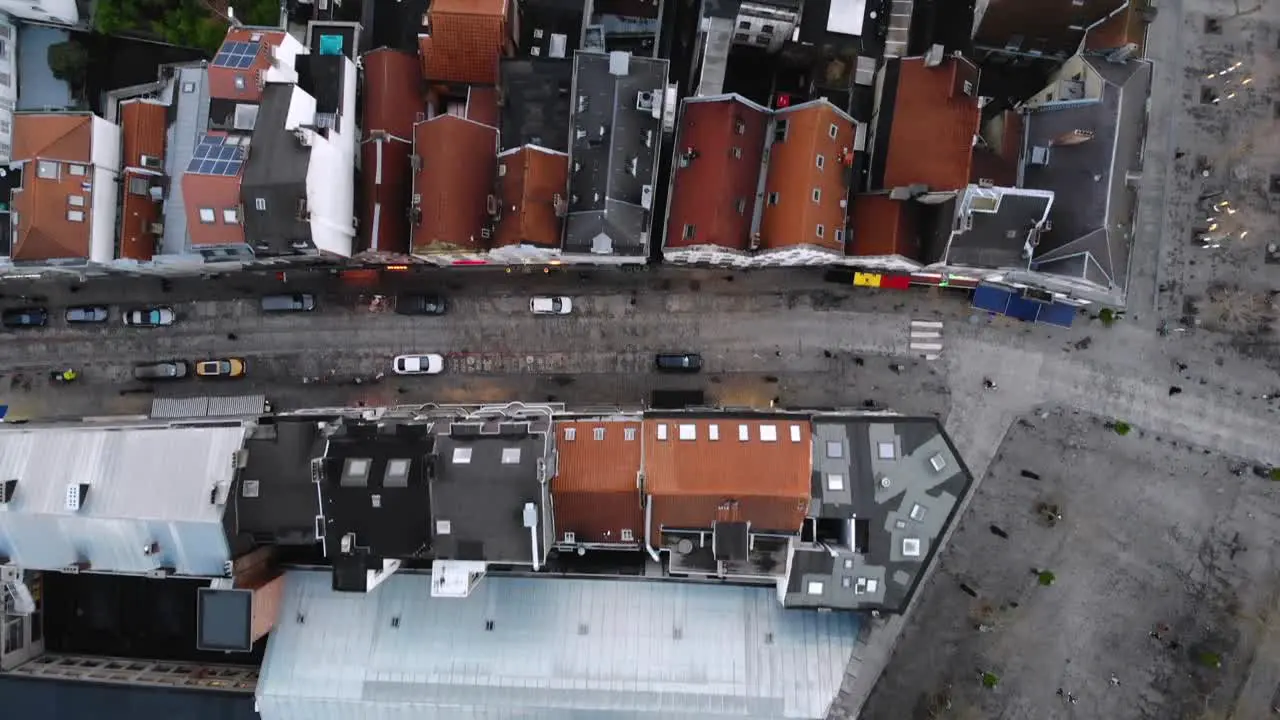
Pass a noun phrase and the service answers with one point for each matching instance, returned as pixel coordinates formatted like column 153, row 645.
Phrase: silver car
column 87, row 314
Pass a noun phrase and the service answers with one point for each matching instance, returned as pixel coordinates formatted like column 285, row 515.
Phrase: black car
column 87, row 314
column 421, row 305
column 25, row 317
column 678, row 362
column 289, row 302
column 163, row 370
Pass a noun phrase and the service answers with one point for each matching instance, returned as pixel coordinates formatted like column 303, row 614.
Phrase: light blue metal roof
column 558, row 648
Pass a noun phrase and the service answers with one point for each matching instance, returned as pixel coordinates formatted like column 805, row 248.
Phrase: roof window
column 78, row 170
column 742, row 206
column 598, row 433
column 817, row 195
column 240, row 82
column 231, row 216
column 938, row 462
column 713, row 431
column 795, row 433
column 835, row 481
column 207, row 215
column 47, row 169
column 832, row 131
column 689, row 231
column 627, row 535
column 737, row 153
column 75, row 200
column 688, row 432
column 820, row 161
column 744, row 433
column 462, row 456
column 835, row 449
column 75, row 215
column 821, row 231
column 814, row 587
column 570, row 433
column 773, row 198
column 911, row 547
column 511, row 456
column 355, row 472
column 629, row 434
column 662, row 431
column 768, row 433
column 886, row 451
column 918, row 512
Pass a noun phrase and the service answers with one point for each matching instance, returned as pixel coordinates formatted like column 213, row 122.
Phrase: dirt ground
column 1163, row 597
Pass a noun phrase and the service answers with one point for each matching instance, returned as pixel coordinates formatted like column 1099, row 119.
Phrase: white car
column 149, row 317
column 551, row 306
column 425, row 364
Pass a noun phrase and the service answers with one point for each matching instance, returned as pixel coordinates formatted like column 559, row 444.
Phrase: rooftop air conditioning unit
column 1039, row 155
column 644, row 101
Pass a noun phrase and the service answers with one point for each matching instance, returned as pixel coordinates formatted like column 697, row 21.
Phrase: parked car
column 159, row 316
column 221, row 368
column 162, row 370
column 421, row 305
column 551, row 306
column 294, row 302
column 678, row 362
column 87, row 314
column 25, row 317
column 424, row 364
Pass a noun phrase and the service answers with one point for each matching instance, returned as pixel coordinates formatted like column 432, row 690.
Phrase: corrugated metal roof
column 146, row 485
column 208, row 406
column 558, row 649
column 594, row 492
column 25, row 697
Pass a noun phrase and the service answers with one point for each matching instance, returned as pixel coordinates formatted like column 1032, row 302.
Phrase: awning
column 1011, row 302
column 206, row 406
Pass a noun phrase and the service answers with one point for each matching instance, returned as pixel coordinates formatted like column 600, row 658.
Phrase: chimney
column 1073, row 137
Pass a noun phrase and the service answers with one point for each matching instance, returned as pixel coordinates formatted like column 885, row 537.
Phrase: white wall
column 286, row 54
column 105, row 159
column 62, row 12
column 8, row 84
column 331, row 176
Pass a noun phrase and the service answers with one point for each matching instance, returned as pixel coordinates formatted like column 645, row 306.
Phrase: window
column 462, row 455
column 188, row 87
column 848, row 563
column 75, row 200
column 822, row 231
column 662, row 431
column 737, row 153
column 817, row 195
column 820, row 161
column 741, row 38
column 231, row 216
column 511, row 456
column 795, row 433
column 502, row 170
column 835, row 449
column 839, row 235
column 78, row 170
column 739, row 127
column 570, row 433
column 629, row 434
column 780, row 131
column 742, row 206
column 688, row 232
column 773, row 198
column 768, row 433
column 260, row 203
column 206, row 215
column 886, row 450
column 744, row 25
column 688, row 432
column 744, row 433
column 240, row 83
column 598, row 433
column 47, row 169
column 846, row 582
column 570, row 538
column 627, row 535
column 75, row 215
column 766, row 29
column 815, row 587
column 138, row 186
column 835, row 481
column 832, row 131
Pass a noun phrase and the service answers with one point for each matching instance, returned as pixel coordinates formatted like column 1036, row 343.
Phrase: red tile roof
column 595, row 493
column 138, row 213
column 482, row 105
column 767, row 482
column 222, row 80
column 934, row 121
column 528, row 188
column 458, row 162
column 45, row 205
column 797, row 176
column 466, row 41
column 217, row 193
column 999, row 162
column 143, row 123
column 714, row 195
column 882, row 226
column 392, row 102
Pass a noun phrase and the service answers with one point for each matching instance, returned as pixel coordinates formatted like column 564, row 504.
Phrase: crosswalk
column 926, row 338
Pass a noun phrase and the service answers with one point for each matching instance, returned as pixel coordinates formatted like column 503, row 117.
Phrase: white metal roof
column 555, row 648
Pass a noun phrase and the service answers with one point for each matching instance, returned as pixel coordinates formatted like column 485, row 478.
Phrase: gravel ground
column 1155, row 536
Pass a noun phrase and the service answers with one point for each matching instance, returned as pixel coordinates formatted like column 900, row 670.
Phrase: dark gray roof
column 613, row 153
column 994, row 239
column 485, row 475
column 71, row 700
column 275, row 500
column 885, row 491
column 1093, row 203
column 535, row 107
column 276, row 175
column 321, row 76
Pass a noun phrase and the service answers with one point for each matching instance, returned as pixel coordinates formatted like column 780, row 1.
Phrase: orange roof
column 809, row 172
column 594, row 492
column 138, row 213
column 458, row 161
column 392, row 101
column 46, row 206
column 882, row 226
column 714, row 196
column 467, row 39
column 530, row 179
column 1118, row 30
column 143, row 123
column 217, row 193
column 222, row 80
column 763, row 481
column 482, row 105
column 934, row 121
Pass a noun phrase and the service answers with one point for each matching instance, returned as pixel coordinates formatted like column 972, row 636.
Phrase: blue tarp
column 1007, row 301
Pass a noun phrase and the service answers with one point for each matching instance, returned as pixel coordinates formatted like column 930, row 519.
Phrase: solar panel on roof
column 237, row 55
column 214, row 157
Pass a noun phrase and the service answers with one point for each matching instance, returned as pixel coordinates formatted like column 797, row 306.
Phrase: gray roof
column 613, row 153
column 994, row 239
column 885, row 490
column 275, row 500
column 535, row 108
column 202, row 406
column 146, row 484
column 189, row 91
column 276, row 174
column 550, row 648
column 1093, row 203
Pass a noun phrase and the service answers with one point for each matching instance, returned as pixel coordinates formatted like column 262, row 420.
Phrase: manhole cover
column 1212, row 26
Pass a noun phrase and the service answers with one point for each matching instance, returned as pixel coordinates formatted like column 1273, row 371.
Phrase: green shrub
column 990, row 680
column 1211, row 660
column 1121, row 427
column 1045, row 577
column 1274, row 474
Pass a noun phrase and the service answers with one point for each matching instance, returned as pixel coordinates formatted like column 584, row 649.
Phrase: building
column 1044, row 32
column 392, row 103
column 464, row 40
column 54, row 12
column 753, row 187
column 616, row 134
column 8, row 84
column 63, row 199
column 531, row 197
column 451, row 210
column 596, row 490
column 143, row 122
column 885, row 233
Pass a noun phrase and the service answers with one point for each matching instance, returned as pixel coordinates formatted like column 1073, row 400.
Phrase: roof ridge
column 74, row 127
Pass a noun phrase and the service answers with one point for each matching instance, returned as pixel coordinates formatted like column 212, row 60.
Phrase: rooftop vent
column 7, row 490
column 933, row 58
column 245, row 117
column 251, row 489
column 355, row 472
column 645, row 101
column 937, row 462
column 77, row 493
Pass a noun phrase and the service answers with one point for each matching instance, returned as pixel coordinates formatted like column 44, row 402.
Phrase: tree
column 68, row 61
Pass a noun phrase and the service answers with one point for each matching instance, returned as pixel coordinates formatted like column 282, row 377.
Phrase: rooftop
column 144, row 123
column 994, row 227
column 535, row 110
column 720, row 153
column 276, row 500
column 56, row 212
column 458, row 162
column 274, row 184
column 489, row 499
column 392, row 102
column 1053, row 29
column 211, row 191
column 597, row 481
column 810, row 173
column 188, row 94
column 465, row 41
column 724, row 467
column 531, row 180
column 883, row 226
column 928, row 117
column 616, row 135
column 884, row 492
column 238, row 70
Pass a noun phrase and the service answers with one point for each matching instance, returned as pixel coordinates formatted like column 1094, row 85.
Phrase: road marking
column 926, row 338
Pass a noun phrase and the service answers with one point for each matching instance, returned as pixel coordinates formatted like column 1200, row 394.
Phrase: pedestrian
column 1115, row 681
column 232, row 336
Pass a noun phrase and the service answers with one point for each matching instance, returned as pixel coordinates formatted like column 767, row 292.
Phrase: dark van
column 678, row 362
column 297, row 302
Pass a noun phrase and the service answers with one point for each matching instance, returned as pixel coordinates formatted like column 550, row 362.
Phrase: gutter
column 648, row 531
